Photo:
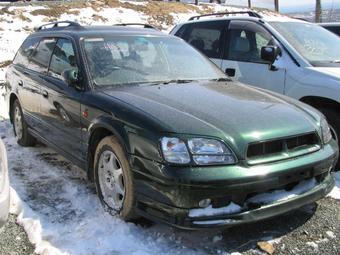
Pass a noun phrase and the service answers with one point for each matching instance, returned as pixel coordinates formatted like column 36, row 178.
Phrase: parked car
column 288, row 56
column 334, row 27
column 163, row 132
column 4, row 185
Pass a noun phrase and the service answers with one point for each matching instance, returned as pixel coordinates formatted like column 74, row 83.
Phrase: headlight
column 326, row 131
column 204, row 151
column 210, row 151
column 175, row 150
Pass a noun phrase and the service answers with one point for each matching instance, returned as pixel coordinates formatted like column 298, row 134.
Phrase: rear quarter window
column 26, row 49
column 40, row 57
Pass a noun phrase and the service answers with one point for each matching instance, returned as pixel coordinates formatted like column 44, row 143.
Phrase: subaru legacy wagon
column 162, row 132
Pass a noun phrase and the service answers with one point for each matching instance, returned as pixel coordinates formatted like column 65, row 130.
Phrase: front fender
column 112, row 125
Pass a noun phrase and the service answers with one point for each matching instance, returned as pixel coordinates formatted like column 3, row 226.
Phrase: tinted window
column 25, row 51
column 40, row 57
column 246, row 40
column 63, row 58
column 206, row 37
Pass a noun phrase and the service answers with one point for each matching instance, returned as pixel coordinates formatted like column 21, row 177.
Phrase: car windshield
column 314, row 43
column 122, row 60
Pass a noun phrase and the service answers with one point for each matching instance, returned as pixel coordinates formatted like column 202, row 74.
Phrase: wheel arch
column 99, row 129
column 321, row 102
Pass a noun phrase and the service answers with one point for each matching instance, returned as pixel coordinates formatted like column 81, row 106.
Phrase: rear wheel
column 113, row 179
column 24, row 138
column 333, row 119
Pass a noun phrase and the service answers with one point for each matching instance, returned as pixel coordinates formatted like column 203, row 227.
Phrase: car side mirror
column 269, row 54
column 70, row 77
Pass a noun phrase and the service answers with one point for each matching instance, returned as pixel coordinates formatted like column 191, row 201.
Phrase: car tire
column 333, row 119
column 24, row 138
column 110, row 182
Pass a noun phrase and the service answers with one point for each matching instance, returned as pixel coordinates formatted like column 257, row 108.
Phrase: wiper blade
column 176, row 81
column 221, row 79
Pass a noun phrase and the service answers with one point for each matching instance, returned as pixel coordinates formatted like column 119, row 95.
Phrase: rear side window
column 63, row 58
column 207, row 37
column 25, row 51
column 39, row 59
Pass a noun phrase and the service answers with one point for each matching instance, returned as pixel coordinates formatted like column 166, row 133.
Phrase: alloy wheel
column 111, row 180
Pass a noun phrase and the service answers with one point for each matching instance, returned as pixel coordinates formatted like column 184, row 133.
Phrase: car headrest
column 241, row 44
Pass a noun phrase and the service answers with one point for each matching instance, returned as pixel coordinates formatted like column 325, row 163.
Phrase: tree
column 276, row 2
column 249, row 3
column 318, row 11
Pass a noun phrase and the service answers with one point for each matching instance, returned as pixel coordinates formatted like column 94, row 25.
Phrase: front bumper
column 4, row 186
column 170, row 199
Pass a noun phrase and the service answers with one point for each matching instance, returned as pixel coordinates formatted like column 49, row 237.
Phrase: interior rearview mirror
column 70, row 76
column 269, row 54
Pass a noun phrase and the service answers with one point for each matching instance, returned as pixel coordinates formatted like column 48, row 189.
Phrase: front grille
column 282, row 148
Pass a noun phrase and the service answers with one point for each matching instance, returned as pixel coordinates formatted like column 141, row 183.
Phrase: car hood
column 235, row 113
column 330, row 71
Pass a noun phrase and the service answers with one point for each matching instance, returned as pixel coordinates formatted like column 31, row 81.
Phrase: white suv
column 288, row 56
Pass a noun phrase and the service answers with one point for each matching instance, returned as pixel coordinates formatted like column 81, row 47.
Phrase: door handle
column 21, row 83
column 45, row 93
column 230, row 72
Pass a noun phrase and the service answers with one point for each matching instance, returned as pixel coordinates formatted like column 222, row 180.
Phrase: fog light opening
column 204, row 203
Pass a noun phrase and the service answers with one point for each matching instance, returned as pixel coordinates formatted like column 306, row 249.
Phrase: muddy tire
column 24, row 138
column 113, row 179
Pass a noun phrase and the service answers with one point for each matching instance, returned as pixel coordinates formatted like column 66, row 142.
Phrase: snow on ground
column 62, row 214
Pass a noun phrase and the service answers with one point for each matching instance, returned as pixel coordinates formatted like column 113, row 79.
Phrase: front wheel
column 24, row 138
column 113, row 179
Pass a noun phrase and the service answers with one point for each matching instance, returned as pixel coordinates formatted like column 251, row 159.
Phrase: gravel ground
column 13, row 239
column 314, row 229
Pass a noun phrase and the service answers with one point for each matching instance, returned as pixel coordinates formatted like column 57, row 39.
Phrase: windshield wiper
column 179, row 81
column 221, row 79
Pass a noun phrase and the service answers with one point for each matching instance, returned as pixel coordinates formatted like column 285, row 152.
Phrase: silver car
column 4, row 185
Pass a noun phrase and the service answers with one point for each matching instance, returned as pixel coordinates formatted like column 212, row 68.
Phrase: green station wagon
column 162, row 132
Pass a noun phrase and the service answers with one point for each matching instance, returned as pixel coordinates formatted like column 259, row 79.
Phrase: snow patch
column 313, row 245
column 335, row 193
column 330, row 234
column 209, row 211
column 281, row 195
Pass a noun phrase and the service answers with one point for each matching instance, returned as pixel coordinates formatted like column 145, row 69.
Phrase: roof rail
column 250, row 13
column 136, row 24
column 57, row 24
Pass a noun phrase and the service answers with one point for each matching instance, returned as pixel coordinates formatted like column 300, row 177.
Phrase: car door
column 242, row 56
column 207, row 37
column 26, row 82
column 60, row 103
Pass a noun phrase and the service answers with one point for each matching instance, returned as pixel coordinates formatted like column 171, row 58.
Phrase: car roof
column 267, row 18
column 77, row 31
column 330, row 24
